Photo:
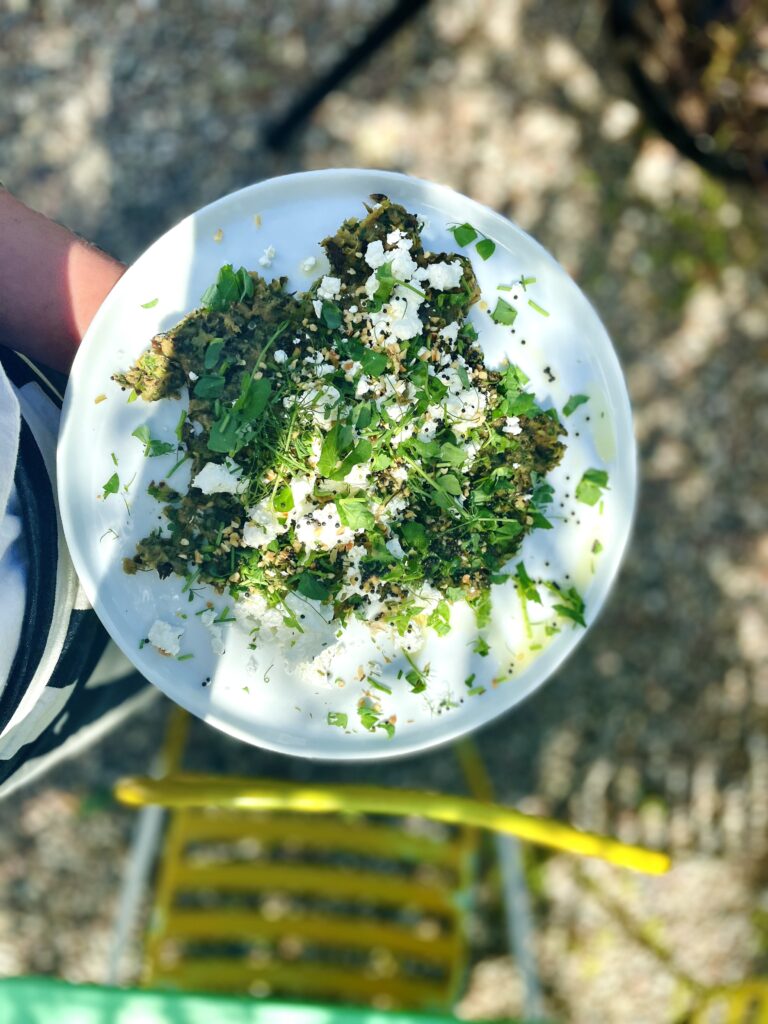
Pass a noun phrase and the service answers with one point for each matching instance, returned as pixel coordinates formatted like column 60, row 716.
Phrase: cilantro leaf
column 152, row 447
column 355, row 513
column 414, row 535
column 359, row 454
column 338, row 718
column 111, row 486
column 440, row 619
column 209, row 387
column 591, row 486
column 312, row 586
column 452, row 454
column 464, row 234
column 212, row 353
column 231, row 286
column 374, row 363
column 573, row 403
column 525, row 584
column 570, row 606
column 485, row 248
column 331, row 315
column 283, row 500
column 503, row 313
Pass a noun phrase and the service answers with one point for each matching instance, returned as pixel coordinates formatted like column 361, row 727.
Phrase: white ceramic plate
column 565, row 353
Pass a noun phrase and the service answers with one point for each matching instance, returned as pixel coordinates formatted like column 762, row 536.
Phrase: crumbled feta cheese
column 400, row 474
column 450, row 332
column 215, row 631
column 266, row 259
column 322, row 528
column 301, row 489
column 280, row 356
column 394, row 547
column 263, row 525
column 433, row 417
column 214, row 478
column 329, row 288
column 375, row 256
column 403, row 264
column 358, row 475
column 466, row 409
column 352, row 309
column 442, row 276
column 309, row 264
column 363, row 387
column 471, row 448
column 512, row 426
column 166, row 637
column 399, row 320
column 193, row 376
column 402, row 435
column 317, row 305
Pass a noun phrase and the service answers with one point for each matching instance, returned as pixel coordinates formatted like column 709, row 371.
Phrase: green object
column 43, row 1000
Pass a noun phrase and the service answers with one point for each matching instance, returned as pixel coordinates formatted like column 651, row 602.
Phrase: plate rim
column 628, row 454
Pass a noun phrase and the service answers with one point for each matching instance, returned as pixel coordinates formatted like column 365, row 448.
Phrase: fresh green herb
column 114, row 457
column 503, row 313
column 537, row 307
column 573, row 403
column 184, row 657
column 213, row 353
column 312, row 586
column 597, row 547
column 338, row 718
column 481, row 646
column 371, row 720
column 570, row 603
column 485, row 248
column 354, row 512
column 331, row 315
column 525, row 584
column 231, row 286
column 591, row 486
column 111, row 486
column 464, row 234
column 152, row 447
column 150, row 305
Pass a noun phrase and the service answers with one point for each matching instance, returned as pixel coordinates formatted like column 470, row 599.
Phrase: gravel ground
column 120, row 118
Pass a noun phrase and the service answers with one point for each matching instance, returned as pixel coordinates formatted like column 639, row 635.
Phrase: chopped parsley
column 112, row 486
column 152, row 447
column 573, row 403
column 590, row 488
column 503, row 313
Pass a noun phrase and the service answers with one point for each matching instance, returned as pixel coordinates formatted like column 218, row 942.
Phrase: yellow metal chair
column 344, row 892
column 745, row 1003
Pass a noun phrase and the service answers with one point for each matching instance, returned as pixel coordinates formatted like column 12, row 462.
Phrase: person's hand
column 51, row 284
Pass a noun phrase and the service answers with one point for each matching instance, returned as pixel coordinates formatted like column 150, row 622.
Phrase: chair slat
column 335, row 932
column 369, row 887
column 335, row 834
column 225, row 975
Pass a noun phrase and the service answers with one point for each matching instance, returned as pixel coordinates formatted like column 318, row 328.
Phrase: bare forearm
column 51, row 284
